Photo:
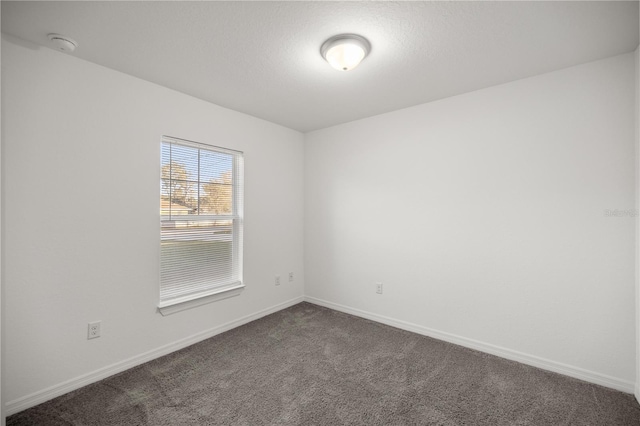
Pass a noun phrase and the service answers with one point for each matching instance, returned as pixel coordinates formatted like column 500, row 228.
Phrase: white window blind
column 201, row 221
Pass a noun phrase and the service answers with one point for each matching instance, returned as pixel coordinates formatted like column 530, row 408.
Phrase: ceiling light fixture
column 345, row 51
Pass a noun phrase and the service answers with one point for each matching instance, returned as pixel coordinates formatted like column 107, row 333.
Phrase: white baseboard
column 638, row 393
column 39, row 397
column 545, row 364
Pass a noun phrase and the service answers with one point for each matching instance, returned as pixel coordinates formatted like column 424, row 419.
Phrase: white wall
column 3, row 420
column 81, row 169
column 483, row 216
column 637, row 258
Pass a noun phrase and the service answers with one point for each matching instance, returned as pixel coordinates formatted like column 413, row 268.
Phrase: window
column 200, row 224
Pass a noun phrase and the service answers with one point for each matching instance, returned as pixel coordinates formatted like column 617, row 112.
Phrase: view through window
column 201, row 221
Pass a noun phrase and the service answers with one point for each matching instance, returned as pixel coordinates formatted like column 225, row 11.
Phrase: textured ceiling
column 262, row 58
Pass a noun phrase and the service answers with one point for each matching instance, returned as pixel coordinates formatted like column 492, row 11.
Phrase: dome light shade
column 345, row 51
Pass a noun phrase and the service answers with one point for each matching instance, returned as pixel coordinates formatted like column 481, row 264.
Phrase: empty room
column 320, row 213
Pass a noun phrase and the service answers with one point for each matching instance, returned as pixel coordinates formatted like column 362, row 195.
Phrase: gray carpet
column 308, row 365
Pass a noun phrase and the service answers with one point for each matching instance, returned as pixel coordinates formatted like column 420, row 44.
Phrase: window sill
column 171, row 307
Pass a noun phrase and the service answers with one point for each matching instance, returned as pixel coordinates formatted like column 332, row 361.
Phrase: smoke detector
column 63, row 43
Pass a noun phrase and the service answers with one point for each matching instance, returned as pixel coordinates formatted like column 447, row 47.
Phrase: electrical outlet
column 94, row 330
column 290, row 277
column 277, row 279
column 379, row 288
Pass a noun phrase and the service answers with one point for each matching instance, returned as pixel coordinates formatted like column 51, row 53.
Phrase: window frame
column 236, row 284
